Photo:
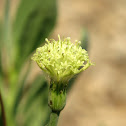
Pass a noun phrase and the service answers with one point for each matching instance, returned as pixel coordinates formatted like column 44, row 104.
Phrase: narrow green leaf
column 0, row 48
column 85, row 40
column 39, row 86
column 34, row 21
column 20, row 89
column 7, row 43
column 85, row 45
column 71, row 82
column 34, row 106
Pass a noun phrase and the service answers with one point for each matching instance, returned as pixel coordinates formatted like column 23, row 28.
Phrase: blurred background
column 98, row 95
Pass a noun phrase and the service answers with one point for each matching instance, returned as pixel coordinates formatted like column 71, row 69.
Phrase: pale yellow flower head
column 62, row 59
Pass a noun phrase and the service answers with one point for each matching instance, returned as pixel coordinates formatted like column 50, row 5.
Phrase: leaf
column 34, row 109
column 85, row 45
column 20, row 89
column 71, row 82
column 38, row 86
column 85, row 40
column 0, row 48
column 7, row 41
column 34, row 21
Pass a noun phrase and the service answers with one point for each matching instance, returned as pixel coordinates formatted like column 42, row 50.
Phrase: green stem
column 56, row 101
column 53, row 119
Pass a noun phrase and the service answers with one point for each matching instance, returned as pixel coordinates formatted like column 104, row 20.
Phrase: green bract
column 62, row 59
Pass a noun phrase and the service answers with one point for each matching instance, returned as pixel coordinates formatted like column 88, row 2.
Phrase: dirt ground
column 98, row 97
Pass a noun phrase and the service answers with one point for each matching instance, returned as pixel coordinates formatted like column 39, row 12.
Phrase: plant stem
column 54, row 118
column 3, row 111
column 56, row 101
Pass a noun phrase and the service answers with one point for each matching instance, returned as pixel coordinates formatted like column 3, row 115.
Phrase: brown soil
column 98, row 97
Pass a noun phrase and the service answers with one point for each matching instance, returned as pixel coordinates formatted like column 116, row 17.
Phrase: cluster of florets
column 62, row 59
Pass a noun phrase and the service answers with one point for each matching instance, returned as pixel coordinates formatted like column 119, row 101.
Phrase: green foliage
column 32, row 24
column 33, row 108
column 0, row 47
column 0, row 69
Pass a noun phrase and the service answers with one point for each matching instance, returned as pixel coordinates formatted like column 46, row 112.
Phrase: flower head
column 62, row 59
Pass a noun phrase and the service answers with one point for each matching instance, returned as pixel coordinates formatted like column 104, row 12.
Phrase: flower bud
column 62, row 59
